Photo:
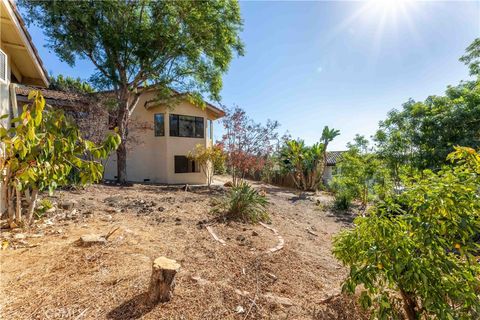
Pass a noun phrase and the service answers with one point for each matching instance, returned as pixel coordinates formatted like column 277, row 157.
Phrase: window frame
column 191, row 165
column 155, row 124
column 174, row 131
column 5, row 69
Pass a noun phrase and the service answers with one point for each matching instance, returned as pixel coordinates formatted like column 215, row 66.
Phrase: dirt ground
column 46, row 274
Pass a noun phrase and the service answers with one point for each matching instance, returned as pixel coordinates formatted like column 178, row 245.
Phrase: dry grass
column 59, row 280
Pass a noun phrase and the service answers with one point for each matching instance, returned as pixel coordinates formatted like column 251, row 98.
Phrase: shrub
column 343, row 200
column 41, row 148
column 245, row 203
column 419, row 253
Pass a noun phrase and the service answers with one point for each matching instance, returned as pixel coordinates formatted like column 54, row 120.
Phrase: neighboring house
column 332, row 158
column 19, row 64
column 85, row 108
column 160, row 139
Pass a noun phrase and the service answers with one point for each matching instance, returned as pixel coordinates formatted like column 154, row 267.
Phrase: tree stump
column 162, row 281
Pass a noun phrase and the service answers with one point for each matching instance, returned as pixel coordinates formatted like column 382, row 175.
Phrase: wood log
column 162, row 281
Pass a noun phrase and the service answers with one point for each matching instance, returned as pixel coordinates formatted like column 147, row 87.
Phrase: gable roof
column 333, row 157
column 16, row 39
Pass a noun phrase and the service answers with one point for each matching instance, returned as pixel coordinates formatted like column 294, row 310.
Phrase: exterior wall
column 4, row 109
column 151, row 157
column 328, row 174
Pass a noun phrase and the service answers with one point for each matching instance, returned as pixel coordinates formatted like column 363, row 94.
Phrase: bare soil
column 47, row 274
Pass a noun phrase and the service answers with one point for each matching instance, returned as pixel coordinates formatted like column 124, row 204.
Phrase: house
column 19, row 64
column 160, row 139
column 332, row 158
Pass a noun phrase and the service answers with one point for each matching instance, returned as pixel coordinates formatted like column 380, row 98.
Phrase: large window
column 159, row 125
column 186, row 126
column 185, row 165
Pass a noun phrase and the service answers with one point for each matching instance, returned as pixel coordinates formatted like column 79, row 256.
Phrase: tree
column 303, row 163
column 360, row 173
column 421, row 257
column 327, row 136
column 472, row 57
column 246, row 143
column 422, row 134
column 69, row 84
column 208, row 158
column 172, row 46
column 41, row 149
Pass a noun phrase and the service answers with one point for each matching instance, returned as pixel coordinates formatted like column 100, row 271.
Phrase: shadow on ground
column 134, row 308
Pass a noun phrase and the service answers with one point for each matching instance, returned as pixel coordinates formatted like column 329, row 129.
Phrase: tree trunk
column 122, row 122
column 18, row 209
column 409, row 305
column 122, row 162
column 11, row 210
column 162, row 280
column 32, row 202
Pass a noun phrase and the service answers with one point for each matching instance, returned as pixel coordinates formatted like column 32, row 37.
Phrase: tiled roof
column 55, row 97
column 333, row 157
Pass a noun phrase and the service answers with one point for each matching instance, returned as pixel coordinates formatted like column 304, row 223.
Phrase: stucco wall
column 151, row 157
column 4, row 109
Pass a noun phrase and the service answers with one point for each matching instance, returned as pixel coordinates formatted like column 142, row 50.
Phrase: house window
column 185, row 165
column 159, row 125
column 186, row 126
column 3, row 66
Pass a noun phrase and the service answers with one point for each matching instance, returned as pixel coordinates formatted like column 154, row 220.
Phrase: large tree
column 173, row 46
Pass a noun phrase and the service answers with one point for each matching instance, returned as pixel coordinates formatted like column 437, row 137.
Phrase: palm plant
column 327, row 136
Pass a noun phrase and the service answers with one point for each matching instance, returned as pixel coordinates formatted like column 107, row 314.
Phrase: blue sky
column 339, row 63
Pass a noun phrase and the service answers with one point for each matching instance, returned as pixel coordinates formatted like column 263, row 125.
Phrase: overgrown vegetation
column 361, row 175
column 208, row 158
column 244, row 203
column 421, row 257
column 247, row 143
column 41, row 148
column 69, row 84
column 306, row 164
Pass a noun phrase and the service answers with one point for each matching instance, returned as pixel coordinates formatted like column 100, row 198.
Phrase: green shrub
column 244, row 203
column 343, row 200
column 420, row 253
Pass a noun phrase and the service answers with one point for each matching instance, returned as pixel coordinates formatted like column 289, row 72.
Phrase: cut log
column 162, row 281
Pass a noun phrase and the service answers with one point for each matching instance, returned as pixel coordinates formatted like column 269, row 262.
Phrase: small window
column 185, row 165
column 159, row 125
column 3, row 66
column 186, row 126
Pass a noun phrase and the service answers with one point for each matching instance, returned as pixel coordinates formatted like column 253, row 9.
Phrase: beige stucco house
column 19, row 64
column 160, row 139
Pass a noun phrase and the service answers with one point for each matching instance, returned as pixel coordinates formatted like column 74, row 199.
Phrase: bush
column 244, row 203
column 343, row 200
column 419, row 253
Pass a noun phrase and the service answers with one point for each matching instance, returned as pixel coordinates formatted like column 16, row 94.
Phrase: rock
column 71, row 214
column 241, row 238
column 51, row 210
column 178, row 219
column 19, row 236
column 87, row 213
column 178, row 223
column 161, row 209
column 254, row 233
column 68, row 205
column 239, row 309
column 228, row 184
column 92, row 239
column 278, row 300
column 106, row 218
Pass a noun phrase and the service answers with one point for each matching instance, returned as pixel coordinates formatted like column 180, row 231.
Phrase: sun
column 389, row 6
